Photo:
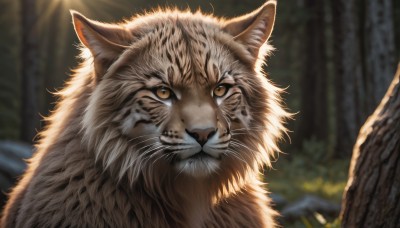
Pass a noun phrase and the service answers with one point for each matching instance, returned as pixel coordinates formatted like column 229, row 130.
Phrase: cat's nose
column 202, row 135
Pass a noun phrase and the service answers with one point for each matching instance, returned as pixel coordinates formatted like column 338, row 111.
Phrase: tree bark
column 313, row 110
column 372, row 195
column 30, row 68
column 349, row 87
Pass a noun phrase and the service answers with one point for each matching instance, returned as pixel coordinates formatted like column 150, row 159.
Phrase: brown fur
column 114, row 153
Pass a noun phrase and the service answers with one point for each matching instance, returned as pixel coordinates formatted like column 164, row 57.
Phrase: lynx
column 167, row 122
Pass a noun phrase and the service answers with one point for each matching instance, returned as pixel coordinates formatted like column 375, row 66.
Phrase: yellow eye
column 163, row 93
column 220, row 90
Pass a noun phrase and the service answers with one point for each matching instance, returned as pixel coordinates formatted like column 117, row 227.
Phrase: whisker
column 180, row 171
column 141, row 136
column 236, row 142
column 163, row 155
column 236, row 155
column 249, row 129
column 145, row 141
column 155, row 146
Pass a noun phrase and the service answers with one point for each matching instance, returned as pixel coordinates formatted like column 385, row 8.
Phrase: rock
column 307, row 205
column 13, row 157
column 278, row 201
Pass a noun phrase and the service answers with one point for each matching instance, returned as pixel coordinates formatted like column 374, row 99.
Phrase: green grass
column 297, row 175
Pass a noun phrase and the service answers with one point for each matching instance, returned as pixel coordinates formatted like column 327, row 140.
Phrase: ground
column 306, row 172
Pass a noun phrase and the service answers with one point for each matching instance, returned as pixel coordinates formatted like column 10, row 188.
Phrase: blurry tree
column 364, row 63
column 313, row 115
column 349, row 85
column 372, row 194
column 379, row 50
column 396, row 11
column 30, row 71
column 10, row 69
column 55, row 30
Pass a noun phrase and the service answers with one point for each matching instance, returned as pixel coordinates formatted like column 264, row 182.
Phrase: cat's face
column 179, row 91
column 188, row 110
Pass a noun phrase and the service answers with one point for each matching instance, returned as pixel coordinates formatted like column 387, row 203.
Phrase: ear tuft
column 253, row 29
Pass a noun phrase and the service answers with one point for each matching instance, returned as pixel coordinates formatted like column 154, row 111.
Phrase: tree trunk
column 364, row 62
column 10, row 70
column 379, row 50
column 313, row 110
column 30, row 69
column 372, row 195
column 349, row 87
column 51, row 70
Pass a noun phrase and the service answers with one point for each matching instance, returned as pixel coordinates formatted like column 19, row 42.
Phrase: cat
column 167, row 122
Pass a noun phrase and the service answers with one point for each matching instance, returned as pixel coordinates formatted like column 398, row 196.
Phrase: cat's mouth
column 203, row 155
column 200, row 164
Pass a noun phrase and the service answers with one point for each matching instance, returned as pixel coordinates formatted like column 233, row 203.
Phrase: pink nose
column 202, row 135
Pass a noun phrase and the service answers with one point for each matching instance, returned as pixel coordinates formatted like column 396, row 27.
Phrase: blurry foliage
column 334, row 224
column 307, row 172
column 315, row 150
column 315, row 221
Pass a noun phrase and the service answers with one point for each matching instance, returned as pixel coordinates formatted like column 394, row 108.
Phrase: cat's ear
column 253, row 29
column 105, row 41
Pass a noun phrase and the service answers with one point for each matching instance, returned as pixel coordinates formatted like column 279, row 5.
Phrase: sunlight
column 87, row 7
column 55, row 15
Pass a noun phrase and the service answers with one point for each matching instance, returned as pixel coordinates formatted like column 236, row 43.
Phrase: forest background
column 336, row 60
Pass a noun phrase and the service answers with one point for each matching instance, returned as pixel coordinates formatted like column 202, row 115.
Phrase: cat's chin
column 198, row 166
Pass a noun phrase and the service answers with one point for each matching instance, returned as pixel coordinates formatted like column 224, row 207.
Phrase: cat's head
column 181, row 93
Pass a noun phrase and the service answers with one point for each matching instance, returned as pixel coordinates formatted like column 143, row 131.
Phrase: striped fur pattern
column 167, row 123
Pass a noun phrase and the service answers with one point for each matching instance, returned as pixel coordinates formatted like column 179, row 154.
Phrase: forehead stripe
column 155, row 74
